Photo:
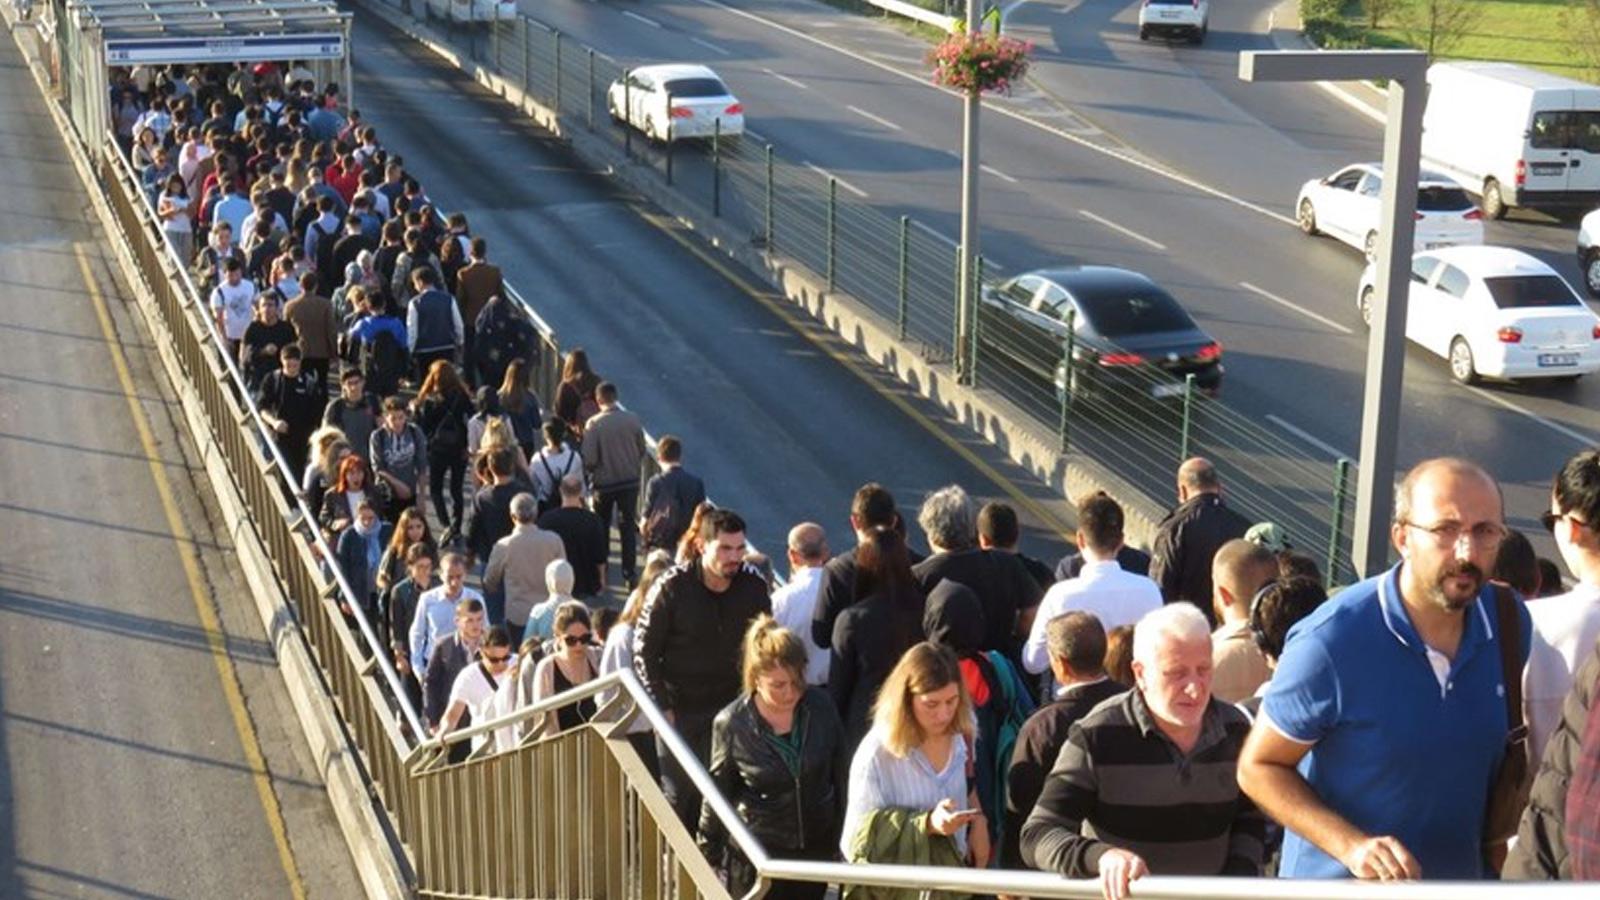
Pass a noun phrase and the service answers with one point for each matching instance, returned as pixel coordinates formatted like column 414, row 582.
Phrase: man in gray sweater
column 613, row 449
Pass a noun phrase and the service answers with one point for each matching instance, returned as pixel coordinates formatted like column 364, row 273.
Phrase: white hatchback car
column 669, row 102
column 1495, row 312
column 1189, row 18
column 1589, row 252
column 1345, row 205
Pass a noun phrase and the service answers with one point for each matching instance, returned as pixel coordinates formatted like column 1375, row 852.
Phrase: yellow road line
column 807, row 330
column 202, row 602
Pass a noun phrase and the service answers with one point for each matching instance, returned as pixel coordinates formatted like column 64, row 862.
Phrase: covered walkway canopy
column 101, row 34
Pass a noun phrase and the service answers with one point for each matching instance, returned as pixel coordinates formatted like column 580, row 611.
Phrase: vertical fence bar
column 1188, row 415
column 903, row 276
column 590, row 103
column 955, row 320
column 716, row 168
column 972, row 321
column 670, row 125
column 1341, row 486
column 1065, row 391
column 558, row 74
column 627, row 112
column 527, row 57
column 833, row 226
column 769, row 198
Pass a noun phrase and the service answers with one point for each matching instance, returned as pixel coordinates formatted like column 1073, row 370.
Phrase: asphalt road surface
column 148, row 747
column 1070, row 179
column 777, row 427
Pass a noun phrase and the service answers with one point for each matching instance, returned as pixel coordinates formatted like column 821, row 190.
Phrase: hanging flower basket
column 979, row 63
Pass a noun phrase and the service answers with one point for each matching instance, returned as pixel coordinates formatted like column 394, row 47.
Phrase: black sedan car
column 1127, row 331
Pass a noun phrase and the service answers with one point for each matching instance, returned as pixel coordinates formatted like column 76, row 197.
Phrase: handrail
column 380, row 653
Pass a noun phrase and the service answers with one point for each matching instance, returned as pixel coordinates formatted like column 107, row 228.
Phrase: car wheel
column 1369, row 247
column 1199, row 35
column 1494, row 204
column 1306, row 218
column 1364, row 305
column 1144, row 34
column 1591, row 273
column 1462, row 368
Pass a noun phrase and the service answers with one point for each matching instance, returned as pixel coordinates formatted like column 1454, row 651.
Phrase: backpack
column 383, row 362
column 666, row 521
column 323, row 250
column 552, row 499
column 448, row 439
column 1016, row 706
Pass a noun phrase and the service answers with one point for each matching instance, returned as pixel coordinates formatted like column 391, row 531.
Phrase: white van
column 1514, row 135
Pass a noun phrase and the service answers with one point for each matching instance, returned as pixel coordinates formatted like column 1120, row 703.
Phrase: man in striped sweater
column 1147, row 781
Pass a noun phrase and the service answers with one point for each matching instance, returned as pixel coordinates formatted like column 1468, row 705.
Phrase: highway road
column 1150, row 156
column 778, row 427
column 148, row 747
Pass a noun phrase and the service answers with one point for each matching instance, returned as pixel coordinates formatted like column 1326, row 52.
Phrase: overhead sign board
column 242, row 48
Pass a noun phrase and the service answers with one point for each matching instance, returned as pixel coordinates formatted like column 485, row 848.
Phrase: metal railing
column 569, row 814
column 905, row 273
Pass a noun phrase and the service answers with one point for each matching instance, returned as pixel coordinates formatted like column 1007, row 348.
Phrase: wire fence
column 1138, row 425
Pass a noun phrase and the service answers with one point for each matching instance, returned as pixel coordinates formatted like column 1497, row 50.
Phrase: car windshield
column 1125, row 313
column 696, row 87
column 1524, row 291
column 1439, row 198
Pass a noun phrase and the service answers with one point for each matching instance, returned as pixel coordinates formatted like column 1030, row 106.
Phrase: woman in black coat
column 778, row 757
column 871, row 635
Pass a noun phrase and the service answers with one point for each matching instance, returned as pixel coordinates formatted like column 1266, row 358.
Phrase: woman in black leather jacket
column 778, row 755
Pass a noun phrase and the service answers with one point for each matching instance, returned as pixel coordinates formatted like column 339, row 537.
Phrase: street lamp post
column 967, row 308
column 1406, row 72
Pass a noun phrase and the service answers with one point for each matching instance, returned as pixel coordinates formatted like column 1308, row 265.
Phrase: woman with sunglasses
column 574, row 661
column 477, row 689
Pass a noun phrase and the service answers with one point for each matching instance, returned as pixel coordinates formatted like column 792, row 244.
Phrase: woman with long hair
column 555, row 460
column 328, row 449
column 411, row 528
column 690, row 545
column 618, row 654
column 441, row 408
column 497, row 433
column 352, row 488
column 908, row 779
column 778, row 756
column 575, row 401
column 870, row 636
column 172, row 207
column 575, row 661
column 519, row 404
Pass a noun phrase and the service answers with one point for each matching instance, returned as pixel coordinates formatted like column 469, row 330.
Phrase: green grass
column 1536, row 33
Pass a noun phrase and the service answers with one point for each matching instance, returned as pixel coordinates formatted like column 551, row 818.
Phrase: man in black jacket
column 670, row 498
column 688, row 640
column 1009, row 595
column 1190, row 536
column 1077, row 645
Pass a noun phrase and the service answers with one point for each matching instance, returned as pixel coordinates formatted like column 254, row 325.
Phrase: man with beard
column 1385, row 722
column 689, row 639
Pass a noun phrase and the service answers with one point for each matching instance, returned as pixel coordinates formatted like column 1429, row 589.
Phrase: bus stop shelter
column 98, row 35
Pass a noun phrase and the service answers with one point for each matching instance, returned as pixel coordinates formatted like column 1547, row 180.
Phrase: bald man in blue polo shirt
column 1385, row 722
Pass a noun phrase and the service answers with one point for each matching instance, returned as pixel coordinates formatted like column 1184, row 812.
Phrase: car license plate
column 1549, row 168
column 1169, row 15
column 1558, row 359
column 1167, row 390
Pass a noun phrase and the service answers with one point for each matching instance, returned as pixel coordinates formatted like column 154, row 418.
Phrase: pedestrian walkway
column 148, row 747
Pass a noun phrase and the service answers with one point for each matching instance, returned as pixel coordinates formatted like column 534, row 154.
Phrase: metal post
column 969, row 211
column 903, row 278
column 769, row 198
column 1068, row 349
column 973, row 323
column 627, row 112
column 716, row 167
column 557, row 68
column 833, row 225
column 527, row 57
column 955, row 340
column 591, row 88
column 1341, row 486
column 669, row 139
column 1188, row 413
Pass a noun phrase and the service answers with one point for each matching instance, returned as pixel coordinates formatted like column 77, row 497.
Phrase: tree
column 1377, row 12
column 1438, row 26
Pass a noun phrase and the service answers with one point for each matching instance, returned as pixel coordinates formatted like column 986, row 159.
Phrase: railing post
column 769, row 198
column 527, row 57
column 833, row 226
column 557, row 70
column 591, row 89
column 716, row 167
column 955, row 336
column 669, row 138
column 494, row 46
column 1188, row 415
column 972, row 319
column 627, row 112
column 1067, row 352
column 1341, row 487
column 903, row 277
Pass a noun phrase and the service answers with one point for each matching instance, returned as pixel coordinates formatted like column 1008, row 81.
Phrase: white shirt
column 1564, row 629
column 1115, row 597
column 881, row 780
column 235, row 302
column 792, row 606
column 483, row 700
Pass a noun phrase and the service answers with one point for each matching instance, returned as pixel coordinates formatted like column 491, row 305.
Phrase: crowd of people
column 1204, row 708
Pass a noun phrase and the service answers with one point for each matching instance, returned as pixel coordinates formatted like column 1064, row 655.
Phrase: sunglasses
column 1549, row 519
column 497, row 660
column 573, row 640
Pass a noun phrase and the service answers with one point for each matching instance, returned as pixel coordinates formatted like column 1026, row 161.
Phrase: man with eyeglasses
column 1566, row 628
column 1385, row 722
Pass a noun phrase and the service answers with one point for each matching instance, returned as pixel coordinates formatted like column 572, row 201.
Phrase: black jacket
column 786, row 810
column 1186, row 541
column 868, row 639
column 1003, row 586
column 448, row 658
column 838, row 592
column 688, row 641
column 669, row 502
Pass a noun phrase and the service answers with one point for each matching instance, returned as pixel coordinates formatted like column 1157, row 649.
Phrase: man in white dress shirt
column 1114, row 596
column 795, row 602
column 1565, row 627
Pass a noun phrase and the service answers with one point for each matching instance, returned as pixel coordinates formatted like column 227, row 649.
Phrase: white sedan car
column 1494, row 312
column 1189, row 18
column 1345, row 205
column 1589, row 252
column 669, row 102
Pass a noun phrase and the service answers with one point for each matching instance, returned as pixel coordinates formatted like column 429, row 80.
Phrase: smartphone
column 966, row 813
